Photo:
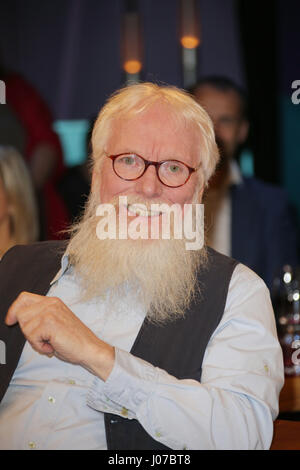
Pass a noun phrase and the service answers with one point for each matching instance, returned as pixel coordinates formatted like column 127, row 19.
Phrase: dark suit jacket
column 263, row 234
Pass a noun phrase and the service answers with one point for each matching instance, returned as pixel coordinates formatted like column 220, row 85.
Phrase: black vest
column 177, row 347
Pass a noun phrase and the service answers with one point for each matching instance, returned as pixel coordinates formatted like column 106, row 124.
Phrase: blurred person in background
column 246, row 218
column 18, row 211
column 40, row 146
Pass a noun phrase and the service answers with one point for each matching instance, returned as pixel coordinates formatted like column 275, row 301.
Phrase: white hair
column 136, row 99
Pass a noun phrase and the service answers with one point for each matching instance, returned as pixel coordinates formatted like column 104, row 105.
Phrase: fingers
column 52, row 328
column 25, row 299
column 35, row 315
column 39, row 341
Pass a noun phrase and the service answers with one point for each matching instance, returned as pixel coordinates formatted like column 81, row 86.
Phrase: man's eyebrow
column 122, row 151
column 133, row 152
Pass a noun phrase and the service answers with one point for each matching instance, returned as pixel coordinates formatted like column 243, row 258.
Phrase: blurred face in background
column 225, row 110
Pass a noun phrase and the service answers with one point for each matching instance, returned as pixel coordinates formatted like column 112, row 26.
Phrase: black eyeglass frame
column 157, row 165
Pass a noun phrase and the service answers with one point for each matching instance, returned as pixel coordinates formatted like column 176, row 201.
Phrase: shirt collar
column 65, row 263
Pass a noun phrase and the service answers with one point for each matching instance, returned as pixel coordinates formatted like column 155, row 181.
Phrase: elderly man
column 138, row 343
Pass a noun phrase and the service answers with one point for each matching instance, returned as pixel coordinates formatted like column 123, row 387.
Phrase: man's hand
column 52, row 329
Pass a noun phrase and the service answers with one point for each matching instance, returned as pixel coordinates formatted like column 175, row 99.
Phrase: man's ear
column 243, row 131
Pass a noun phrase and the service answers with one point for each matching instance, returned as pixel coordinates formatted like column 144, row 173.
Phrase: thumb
column 10, row 318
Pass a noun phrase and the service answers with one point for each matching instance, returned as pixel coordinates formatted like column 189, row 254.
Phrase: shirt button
column 158, row 434
column 32, row 445
column 72, row 382
column 124, row 412
column 51, row 399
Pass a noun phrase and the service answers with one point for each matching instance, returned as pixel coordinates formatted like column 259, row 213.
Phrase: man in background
column 246, row 218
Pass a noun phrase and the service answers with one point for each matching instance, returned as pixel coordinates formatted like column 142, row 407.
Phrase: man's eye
column 174, row 168
column 127, row 160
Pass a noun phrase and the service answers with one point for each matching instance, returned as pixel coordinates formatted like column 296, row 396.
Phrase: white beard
column 162, row 273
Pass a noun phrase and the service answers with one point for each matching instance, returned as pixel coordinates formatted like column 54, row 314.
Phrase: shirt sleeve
column 237, row 400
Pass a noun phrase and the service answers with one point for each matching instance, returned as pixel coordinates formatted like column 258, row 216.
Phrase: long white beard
column 162, row 273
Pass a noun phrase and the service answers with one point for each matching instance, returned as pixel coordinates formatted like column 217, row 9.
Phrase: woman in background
column 40, row 147
column 18, row 210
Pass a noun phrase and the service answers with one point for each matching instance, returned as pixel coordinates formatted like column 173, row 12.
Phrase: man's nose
column 149, row 185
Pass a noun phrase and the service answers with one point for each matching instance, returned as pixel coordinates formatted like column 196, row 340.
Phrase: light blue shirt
column 51, row 404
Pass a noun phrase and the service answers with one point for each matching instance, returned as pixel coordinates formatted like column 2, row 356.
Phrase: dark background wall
column 70, row 49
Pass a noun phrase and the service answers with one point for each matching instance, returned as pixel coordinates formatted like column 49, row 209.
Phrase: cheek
column 107, row 188
column 101, row 181
column 111, row 185
column 185, row 194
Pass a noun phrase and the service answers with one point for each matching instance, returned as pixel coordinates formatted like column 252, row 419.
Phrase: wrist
column 100, row 359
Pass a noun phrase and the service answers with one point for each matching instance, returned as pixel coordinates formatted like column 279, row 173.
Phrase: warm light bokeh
column 132, row 66
column 189, row 42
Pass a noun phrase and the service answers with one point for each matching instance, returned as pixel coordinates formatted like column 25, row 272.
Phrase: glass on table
column 286, row 302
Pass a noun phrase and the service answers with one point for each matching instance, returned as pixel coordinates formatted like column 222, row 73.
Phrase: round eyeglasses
column 171, row 173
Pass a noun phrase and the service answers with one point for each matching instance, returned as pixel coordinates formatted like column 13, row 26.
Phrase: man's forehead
column 159, row 128
column 155, row 113
column 161, row 118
